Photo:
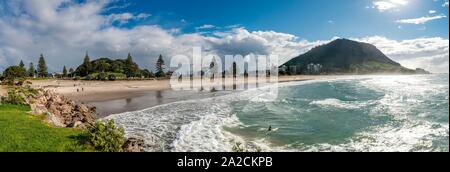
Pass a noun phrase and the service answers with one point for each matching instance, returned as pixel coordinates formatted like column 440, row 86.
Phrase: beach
column 112, row 97
column 91, row 91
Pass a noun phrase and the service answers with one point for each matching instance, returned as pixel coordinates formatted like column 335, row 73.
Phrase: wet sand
column 147, row 99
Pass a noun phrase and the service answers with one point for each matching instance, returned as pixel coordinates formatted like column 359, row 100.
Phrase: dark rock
column 64, row 112
column 134, row 145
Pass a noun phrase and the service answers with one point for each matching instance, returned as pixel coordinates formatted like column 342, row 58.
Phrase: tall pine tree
column 160, row 67
column 131, row 69
column 42, row 67
column 22, row 68
column 86, row 67
column 21, row 65
column 31, row 71
column 64, row 71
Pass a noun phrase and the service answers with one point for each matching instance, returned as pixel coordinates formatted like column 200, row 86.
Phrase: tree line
column 99, row 69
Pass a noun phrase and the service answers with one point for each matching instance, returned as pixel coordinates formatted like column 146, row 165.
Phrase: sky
column 413, row 32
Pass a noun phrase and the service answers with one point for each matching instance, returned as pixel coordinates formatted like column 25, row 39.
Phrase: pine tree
column 130, row 67
column 64, row 71
column 160, row 67
column 42, row 67
column 31, row 71
column 71, row 72
column 21, row 65
column 86, row 67
column 22, row 70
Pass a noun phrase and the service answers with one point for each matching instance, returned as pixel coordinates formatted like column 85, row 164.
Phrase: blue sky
column 414, row 33
column 309, row 19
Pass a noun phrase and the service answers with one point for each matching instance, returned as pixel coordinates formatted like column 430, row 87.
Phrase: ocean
column 352, row 114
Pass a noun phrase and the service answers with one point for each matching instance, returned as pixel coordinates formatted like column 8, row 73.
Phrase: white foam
column 188, row 126
column 402, row 95
column 337, row 104
column 198, row 125
column 406, row 138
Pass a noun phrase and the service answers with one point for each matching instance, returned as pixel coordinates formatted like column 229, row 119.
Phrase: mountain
column 343, row 56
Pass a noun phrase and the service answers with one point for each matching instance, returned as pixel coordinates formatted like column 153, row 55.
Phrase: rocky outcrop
column 134, row 145
column 60, row 111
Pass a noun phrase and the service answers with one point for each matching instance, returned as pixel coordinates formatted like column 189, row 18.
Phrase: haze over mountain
column 346, row 56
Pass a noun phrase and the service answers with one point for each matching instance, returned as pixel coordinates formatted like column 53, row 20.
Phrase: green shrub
column 21, row 81
column 102, row 77
column 13, row 98
column 112, row 77
column 105, row 136
column 88, row 78
column 8, row 82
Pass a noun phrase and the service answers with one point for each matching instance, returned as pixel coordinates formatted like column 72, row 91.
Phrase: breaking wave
column 373, row 113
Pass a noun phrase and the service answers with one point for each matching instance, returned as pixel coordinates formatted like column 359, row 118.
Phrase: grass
column 21, row 132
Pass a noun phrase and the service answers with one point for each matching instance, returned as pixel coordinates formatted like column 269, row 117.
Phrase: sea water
column 354, row 113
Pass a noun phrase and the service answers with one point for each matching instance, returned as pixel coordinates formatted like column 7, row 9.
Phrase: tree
column 86, row 67
column 31, row 71
column 42, row 67
column 12, row 73
column 131, row 68
column 147, row 74
column 21, row 65
column 71, row 72
column 64, row 71
column 160, row 67
column 103, row 66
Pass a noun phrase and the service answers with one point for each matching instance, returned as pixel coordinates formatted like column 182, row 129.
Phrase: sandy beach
column 112, row 97
column 88, row 91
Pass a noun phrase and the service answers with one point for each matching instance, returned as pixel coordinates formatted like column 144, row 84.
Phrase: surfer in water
column 270, row 129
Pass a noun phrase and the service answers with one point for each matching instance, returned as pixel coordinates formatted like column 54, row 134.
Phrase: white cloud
column 387, row 5
column 445, row 4
column 206, row 26
column 428, row 53
column 123, row 18
column 64, row 32
column 421, row 20
column 432, row 11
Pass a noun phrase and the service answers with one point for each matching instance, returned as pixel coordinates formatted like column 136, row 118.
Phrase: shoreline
column 112, row 97
column 94, row 91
